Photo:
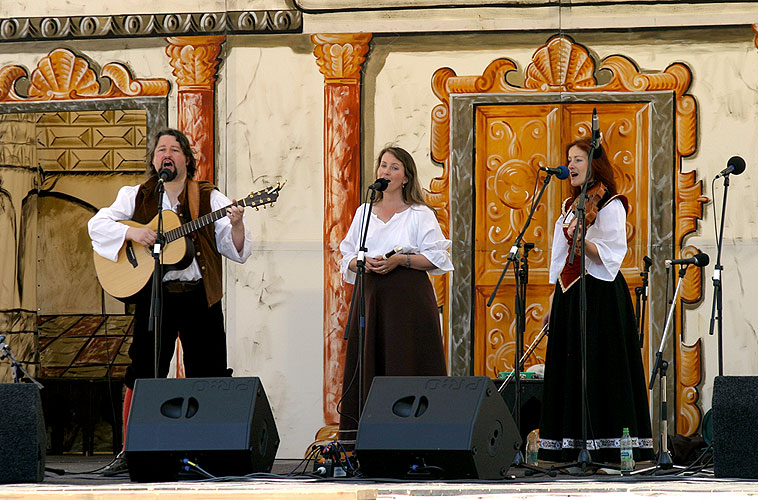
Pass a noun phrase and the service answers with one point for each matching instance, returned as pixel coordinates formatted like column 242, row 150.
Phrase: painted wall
column 724, row 64
column 269, row 113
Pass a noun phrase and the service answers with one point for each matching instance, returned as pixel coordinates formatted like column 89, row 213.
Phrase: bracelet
column 408, row 260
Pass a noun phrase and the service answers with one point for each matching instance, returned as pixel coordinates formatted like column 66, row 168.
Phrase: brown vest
column 204, row 239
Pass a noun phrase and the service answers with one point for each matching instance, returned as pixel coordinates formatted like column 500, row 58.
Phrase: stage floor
column 82, row 481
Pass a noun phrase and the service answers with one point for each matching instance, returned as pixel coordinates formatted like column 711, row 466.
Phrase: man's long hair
column 183, row 143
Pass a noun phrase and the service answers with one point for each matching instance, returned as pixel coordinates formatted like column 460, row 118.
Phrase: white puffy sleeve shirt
column 608, row 233
column 415, row 229
column 108, row 235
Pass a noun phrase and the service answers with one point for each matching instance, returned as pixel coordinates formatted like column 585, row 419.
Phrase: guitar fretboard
column 196, row 224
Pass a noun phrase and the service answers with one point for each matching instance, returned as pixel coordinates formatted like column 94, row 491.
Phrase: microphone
column 380, row 184
column 649, row 262
column 393, row 252
column 597, row 148
column 735, row 165
column 561, row 171
column 699, row 259
column 166, row 175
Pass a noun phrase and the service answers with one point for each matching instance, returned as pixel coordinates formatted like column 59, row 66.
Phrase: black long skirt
column 616, row 389
column 402, row 338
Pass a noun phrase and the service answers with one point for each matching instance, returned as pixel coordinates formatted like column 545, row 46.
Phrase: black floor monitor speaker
column 531, row 402
column 23, row 439
column 735, row 435
column 451, row 427
column 223, row 425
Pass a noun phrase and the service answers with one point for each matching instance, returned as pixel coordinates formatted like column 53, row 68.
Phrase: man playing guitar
column 191, row 296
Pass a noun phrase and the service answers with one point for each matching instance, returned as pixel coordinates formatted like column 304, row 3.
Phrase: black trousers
column 185, row 314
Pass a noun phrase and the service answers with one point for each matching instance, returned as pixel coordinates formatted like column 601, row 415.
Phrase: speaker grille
column 735, row 437
column 225, row 425
column 454, row 427
column 22, row 434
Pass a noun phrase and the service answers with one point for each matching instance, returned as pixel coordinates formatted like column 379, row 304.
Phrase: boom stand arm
column 664, row 458
column 521, row 278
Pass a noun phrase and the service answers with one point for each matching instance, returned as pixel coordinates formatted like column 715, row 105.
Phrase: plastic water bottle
column 627, row 455
column 532, row 447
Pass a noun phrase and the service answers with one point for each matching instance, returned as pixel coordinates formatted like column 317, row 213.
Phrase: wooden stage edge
column 167, row 491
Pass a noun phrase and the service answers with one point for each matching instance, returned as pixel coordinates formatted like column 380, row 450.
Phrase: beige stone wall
column 270, row 117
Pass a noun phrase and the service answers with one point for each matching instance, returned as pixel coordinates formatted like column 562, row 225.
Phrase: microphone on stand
column 561, row 171
column 166, row 175
column 735, row 165
column 380, row 184
column 649, row 262
column 699, row 259
column 597, row 148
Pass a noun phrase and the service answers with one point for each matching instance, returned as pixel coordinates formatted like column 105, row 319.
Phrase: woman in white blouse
column 403, row 336
column 616, row 392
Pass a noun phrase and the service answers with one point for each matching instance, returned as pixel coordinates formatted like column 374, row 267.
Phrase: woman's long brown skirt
column 402, row 337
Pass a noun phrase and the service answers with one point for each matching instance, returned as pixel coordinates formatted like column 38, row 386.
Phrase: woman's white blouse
column 415, row 229
column 608, row 233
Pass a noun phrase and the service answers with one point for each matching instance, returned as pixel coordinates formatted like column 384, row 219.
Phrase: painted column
column 340, row 58
column 195, row 62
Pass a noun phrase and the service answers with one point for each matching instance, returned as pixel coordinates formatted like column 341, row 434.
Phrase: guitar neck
column 196, row 224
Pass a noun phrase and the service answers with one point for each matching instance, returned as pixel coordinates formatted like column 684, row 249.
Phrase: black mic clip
column 596, row 145
column 166, row 175
column 380, row 184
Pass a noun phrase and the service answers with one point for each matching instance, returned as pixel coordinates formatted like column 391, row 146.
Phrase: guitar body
column 134, row 268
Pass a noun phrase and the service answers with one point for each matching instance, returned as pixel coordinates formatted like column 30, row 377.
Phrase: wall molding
column 24, row 29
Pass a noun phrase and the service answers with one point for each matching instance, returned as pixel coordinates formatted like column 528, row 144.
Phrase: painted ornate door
column 512, row 143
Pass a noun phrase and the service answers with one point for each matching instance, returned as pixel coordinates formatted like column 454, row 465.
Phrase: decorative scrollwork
column 341, row 57
column 62, row 75
column 562, row 65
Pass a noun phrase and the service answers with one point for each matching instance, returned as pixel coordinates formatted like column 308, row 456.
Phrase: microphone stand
column 360, row 279
column 664, row 458
column 16, row 367
column 584, row 459
column 156, row 295
column 521, row 278
column 641, row 293
column 717, row 305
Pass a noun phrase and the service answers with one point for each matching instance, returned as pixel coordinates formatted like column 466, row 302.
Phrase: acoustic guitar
column 134, row 267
